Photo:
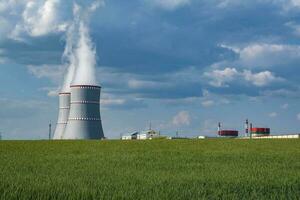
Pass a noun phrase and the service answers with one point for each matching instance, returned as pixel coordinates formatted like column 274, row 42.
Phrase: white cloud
column 108, row 99
column 52, row 72
column 260, row 79
column 113, row 101
column 207, row 103
column 143, row 84
column 273, row 114
column 289, row 5
column 281, row 93
column 4, row 27
column 264, row 55
column 5, row 5
column 181, row 118
column 137, row 84
column 227, row 3
column 169, row 4
column 51, row 91
column 39, row 18
column 220, row 78
column 294, row 26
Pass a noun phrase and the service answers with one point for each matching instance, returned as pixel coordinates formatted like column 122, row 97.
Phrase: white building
column 148, row 134
column 278, row 136
column 126, row 137
column 144, row 135
column 130, row 136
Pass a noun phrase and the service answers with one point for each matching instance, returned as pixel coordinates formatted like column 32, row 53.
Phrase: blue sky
column 181, row 64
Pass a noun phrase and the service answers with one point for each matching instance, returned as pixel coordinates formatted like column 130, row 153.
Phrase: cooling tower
column 63, row 115
column 84, row 119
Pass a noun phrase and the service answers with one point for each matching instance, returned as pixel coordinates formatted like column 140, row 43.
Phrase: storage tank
column 257, row 132
column 228, row 133
column 84, row 119
column 63, row 115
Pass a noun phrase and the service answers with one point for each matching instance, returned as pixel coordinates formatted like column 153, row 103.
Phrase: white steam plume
column 80, row 54
column 86, row 58
column 85, row 51
column 69, row 59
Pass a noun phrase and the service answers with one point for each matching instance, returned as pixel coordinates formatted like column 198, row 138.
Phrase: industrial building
column 79, row 114
column 143, row 135
column 228, row 133
column 130, row 136
column 63, row 115
column 260, row 132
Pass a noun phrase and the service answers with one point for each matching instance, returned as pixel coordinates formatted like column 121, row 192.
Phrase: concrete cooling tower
column 84, row 120
column 63, row 115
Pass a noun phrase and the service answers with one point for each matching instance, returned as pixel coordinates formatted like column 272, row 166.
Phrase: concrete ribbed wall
column 84, row 119
column 63, row 115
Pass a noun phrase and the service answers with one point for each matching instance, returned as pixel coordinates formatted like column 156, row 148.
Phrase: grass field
column 157, row 169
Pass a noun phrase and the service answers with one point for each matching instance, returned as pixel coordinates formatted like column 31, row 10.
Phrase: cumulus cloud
column 181, row 119
column 260, row 79
column 169, row 4
column 265, row 55
column 40, row 18
column 221, row 78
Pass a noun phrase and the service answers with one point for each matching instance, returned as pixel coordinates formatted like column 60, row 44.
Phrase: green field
column 157, row 169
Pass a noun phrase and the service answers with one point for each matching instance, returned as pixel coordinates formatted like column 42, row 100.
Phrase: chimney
column 63, row 115
column 84, row 119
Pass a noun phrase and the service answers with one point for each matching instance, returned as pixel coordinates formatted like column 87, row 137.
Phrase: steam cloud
column 80, row 53
column 69, row 59
column 86, row 58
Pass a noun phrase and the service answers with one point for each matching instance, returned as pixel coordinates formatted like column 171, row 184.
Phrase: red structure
column 260, row 131
column 228, row 133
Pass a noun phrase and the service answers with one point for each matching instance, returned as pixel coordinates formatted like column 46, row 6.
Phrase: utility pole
column 0, row 135
column 177, row 134
column 50, row 131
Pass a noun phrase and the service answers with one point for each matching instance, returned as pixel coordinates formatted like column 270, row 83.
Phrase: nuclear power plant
column 63, row 115
column 79, row 114
column 84, row 119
